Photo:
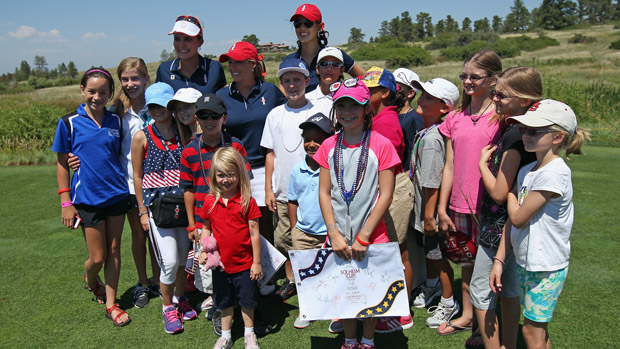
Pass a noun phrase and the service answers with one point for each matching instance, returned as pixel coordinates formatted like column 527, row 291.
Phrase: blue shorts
column 540, row 292
column 230, row 289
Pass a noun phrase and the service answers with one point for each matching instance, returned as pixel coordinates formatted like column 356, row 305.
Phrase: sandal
column 121, row 312
column 451, row 329
column 475, row 341
column 98, row 291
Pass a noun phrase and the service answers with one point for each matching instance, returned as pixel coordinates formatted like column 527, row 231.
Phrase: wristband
column 363, row 243
column 191, row 229
column 140, row 214
column 66, row 204
column 140, row 207
column 65, row 190
column 499, row 260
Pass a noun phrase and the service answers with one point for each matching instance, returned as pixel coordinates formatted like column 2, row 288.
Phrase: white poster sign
column 331, row 288
column 270, row 260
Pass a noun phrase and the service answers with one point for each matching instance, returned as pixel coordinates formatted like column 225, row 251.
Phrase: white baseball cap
column 406, row 76
column 439, row 88
column 185, row 95
column 546, row 113
column 330, row 52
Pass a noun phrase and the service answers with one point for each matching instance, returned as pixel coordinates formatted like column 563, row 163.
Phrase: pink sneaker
column 406, row 322
column 388, row 324
column 346, row 345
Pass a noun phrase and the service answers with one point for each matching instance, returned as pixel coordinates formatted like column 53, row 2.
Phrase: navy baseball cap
column 212, row 102
column 293, row 64
column 318, row 120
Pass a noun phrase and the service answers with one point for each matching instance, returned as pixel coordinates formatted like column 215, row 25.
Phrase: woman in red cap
column 190, row 69
column 248, row 100
column 312, row 38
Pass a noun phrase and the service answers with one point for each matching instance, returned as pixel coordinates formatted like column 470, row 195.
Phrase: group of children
column 487, row 166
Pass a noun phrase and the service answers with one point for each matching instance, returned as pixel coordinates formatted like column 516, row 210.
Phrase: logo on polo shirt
column 114, row 133
column 262, row 99
column 171, row 76
column 205, row 77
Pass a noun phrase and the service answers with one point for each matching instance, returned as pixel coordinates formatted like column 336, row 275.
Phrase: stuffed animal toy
column 209, row 245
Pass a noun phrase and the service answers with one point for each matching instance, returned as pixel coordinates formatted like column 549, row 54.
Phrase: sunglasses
column 207, row 116
column 532, row 132
column 499, row 95
column 351, row 82
column 190, row 19
column 333, row 64
column 307, row 24
column 473, row 78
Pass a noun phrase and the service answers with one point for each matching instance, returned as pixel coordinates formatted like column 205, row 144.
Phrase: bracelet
column 191, row 229
column 140, row 214
column 66, row 204
column 363, row 243
column 499, row 260
column 139, row 207
column 65, row 190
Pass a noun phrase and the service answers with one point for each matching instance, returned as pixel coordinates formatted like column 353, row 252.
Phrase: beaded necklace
column 362, row 162
column 414, row 154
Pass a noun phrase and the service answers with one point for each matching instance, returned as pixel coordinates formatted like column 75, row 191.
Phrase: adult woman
column 248, row 101
column 312, row 38
column 190, row 69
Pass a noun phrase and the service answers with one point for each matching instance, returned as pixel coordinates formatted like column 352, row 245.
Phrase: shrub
column 410, row 57
column 395, row 53
column 615, row 45
column 581, row 39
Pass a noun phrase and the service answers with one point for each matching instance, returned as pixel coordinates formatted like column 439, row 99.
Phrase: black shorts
column 93, row 215
column 230, row 289
column 133, row 202
column 431, row 244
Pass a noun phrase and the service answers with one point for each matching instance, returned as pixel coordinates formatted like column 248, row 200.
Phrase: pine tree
column 518, row 20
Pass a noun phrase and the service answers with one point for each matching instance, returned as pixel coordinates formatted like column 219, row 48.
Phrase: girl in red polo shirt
column 231, row 214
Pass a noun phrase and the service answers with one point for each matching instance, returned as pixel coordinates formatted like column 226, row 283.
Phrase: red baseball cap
column 309, row 12
column 240, row 51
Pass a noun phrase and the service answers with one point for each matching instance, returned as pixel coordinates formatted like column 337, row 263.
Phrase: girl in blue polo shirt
column 98, row 194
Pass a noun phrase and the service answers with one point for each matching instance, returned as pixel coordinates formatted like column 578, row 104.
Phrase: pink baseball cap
column 309, row 12
column 353, row 88
column 240, row 51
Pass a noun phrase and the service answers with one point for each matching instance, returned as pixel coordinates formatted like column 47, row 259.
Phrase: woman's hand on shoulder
column 73, row 161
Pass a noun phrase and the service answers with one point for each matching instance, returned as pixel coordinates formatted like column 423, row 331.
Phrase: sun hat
column 159, row 93
column 330, row 52
column 439, row 88
column 546, row 113
column 406, row 76
column 352, row 88
column 212, row 102
column 188, row 25
column 376, row 77
column 293, row 64
column 309, row 12
column 318, row 120
column 240, row 51
column 185, row 95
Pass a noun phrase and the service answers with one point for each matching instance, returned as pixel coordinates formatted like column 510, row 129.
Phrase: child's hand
column 358, row 250
column 430, row 226
column 485, row 154
column 340, row 247
column 68, row 215
column 73, row 161
column 193, row 235
column 495, row 278
column 144, row 221
column 256, row 271
column 445, row 223
column 270, row 201
column 202, row 257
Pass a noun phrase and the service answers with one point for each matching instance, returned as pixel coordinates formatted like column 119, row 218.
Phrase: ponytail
column 573, row 144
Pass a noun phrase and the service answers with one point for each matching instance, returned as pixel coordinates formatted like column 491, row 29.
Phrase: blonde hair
column 490, row 62
column 122, row 102
column 229, row 160
column 573, row 143
column 521, row 82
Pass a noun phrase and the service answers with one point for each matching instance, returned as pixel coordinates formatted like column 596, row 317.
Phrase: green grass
column 44, row 305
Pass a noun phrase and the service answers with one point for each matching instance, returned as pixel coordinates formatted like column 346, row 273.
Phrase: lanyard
column 202, row 169
column 164, row 142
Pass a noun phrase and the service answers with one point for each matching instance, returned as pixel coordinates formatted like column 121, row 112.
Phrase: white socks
column 448, row 302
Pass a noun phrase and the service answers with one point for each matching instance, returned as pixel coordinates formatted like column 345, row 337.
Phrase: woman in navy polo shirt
column 248, row 101
column 312, row 38
column 190, row 69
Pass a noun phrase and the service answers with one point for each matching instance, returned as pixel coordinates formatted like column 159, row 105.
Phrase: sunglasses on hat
column 207, row 116
column 351, row 82
column 190, row 19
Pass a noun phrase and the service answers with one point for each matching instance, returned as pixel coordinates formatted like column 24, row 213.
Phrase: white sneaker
column 426, row 295
column 441, row 314
column 301, row 323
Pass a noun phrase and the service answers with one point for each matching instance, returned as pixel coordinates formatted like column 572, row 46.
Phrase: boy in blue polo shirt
column 308, row 229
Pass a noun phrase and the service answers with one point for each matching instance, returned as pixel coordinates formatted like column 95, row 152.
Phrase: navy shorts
column 93, row 215
column 232, row 289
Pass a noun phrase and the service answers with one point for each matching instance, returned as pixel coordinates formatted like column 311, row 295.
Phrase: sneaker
column 426, row 295
column 209, row 313
column 223, row 343
column 366, row 346
column 336, row 326
column 140, row 296
column 346, row 345
column 388, row 324
column 250, row 341
column 287, row 290
column 172, row 320
column 186, row 309
column 301, row 323
column 217, row 322
column 440, row 314
column 268, row 288
column 406, row 322
column 206, row 304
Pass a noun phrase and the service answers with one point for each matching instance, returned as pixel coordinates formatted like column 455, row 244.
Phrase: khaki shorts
column 305, row 241
column 282, row 233
column 399, row 212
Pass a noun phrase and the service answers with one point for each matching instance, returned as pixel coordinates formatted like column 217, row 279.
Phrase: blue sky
column 103, row 33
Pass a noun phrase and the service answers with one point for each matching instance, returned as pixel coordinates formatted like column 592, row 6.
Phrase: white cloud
column 31, row 32
column 95, row 36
